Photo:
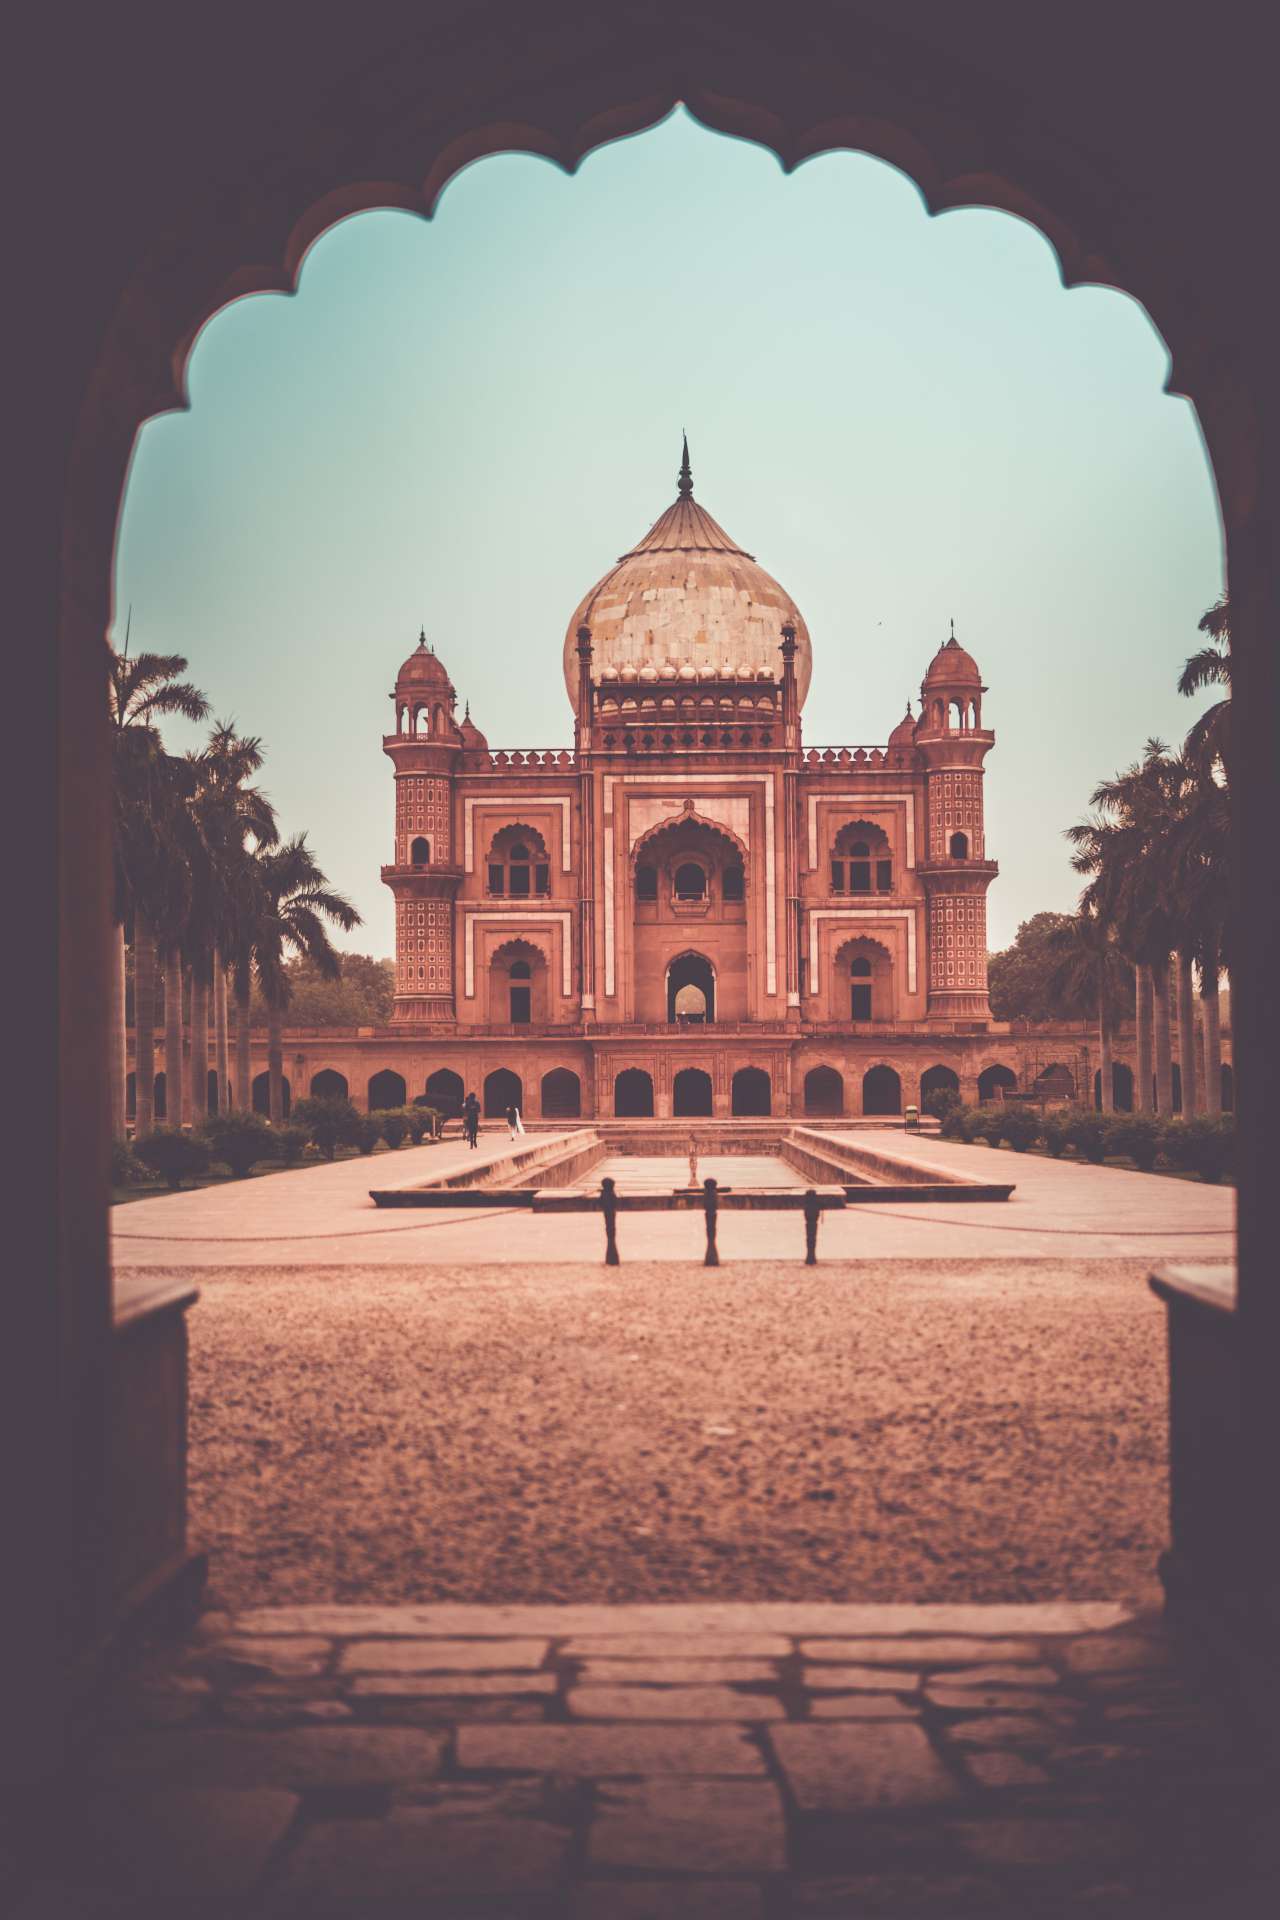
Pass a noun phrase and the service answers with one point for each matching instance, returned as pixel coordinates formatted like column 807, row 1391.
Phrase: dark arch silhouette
column 691, row 970
column 444, row 1092
column 881, row 1091
column 1055, row 1081
column 633, row 1095
column 994, row 1080
column 824, row 1092
column 752, row 1092
column 691, row 1094
column 387, row 1089
column 262, row 1094
column 502, row 1089
column 1121, row 1088
column 959, row 846
column 329, row 1084
column 561, row 1094
column 420, row 852
column 935, row 1079
column 161, row 1098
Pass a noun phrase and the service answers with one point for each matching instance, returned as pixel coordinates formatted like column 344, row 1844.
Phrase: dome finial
column 422, row 636
column 686, row 477
column 953, row 641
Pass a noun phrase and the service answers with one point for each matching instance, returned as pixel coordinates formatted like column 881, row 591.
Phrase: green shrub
column 176, row 1156
column 330, row 1123
column 288, row 1144
column 1087, row 1133
column 395, row 1125
column 1136, row 1135
column 367, row 1131
column 952, row 1127
column 1053, row 1131
column 418, row 1123
column 1205, row 1146
column 126, row 1170
column 973, row 1124
column 989, row 1125
column 1020, row 1126
column 239, row 1140
column 940, row 1101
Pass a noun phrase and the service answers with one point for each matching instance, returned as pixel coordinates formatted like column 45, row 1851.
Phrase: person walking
column 515, row 1125
column 471, row 1119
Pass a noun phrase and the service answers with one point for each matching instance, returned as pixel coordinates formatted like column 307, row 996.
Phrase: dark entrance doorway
column 633, row 1095
column 881, row 1091
column 824, row 1092
column 691, row 991
column 502, row 1089
column 691, row 1094
column 444, row 1091
column 752, row 1092
column 387, row 1089
column 561, row 1094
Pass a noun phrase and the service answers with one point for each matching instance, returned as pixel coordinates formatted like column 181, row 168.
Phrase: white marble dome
column 687, row 596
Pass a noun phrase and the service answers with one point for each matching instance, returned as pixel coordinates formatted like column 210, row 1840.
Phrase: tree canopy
column 1018, row 978
column 361, row 997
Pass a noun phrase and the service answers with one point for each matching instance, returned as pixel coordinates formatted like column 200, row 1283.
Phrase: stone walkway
column 702, row 1762
column 322, row 1216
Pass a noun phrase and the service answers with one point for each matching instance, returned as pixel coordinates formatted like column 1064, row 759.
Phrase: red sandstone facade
column 691, row 912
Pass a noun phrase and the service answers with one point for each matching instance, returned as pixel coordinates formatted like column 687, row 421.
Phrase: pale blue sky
column 463, row 422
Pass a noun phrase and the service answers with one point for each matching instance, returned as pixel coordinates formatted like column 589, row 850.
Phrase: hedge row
column 1205, row 1146
column 241, row 1140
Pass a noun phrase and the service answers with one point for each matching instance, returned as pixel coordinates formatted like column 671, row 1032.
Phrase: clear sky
column 463, row 422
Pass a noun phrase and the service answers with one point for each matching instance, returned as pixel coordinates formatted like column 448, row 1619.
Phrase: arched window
column 860, row 989
column 691, row 991
column 420, row 852
column 734, row 883
column 520, row 975
column 518, row 864
column 646, row 883
column 690, row 881
column 861, row 859
column 959, row 846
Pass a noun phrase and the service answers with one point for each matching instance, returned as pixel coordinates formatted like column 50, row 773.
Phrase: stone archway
column 881, row 1091
column 995, row 1081
column 633, row 1095
column 208, row 230
column 387, row 1089
column 691, row 991
column 561, row 1094
column 329, row 1084
column 824, row 1093
column 502, row 1089
column 691, row 1094
column 751, row 1093
column 444, row 1091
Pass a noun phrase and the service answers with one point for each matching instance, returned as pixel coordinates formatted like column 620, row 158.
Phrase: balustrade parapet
column 843, row 757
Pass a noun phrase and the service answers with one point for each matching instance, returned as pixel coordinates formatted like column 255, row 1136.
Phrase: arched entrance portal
column 328, row 1085
column 938, row 1080
column 881, row 1091
column 502, row 1089
column 561, row 1094
column 633, row 1095
column 262, row 1094
column 824, row 1093
column 752, row 1092
column 1121, row 1088
column 995, row 1082
column 691, row 991
column 691, row 1094
column 444, row 1092
column 387, row 1089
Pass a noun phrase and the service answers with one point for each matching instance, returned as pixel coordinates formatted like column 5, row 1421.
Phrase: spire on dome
column 685, row 476
column 422, row 636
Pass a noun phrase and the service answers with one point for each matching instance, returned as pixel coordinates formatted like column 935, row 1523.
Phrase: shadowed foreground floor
column 786, row 1762
column 977, row 1430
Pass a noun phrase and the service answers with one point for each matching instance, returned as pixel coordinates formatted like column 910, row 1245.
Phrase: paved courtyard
column 322, row 1215
column 681, row 1763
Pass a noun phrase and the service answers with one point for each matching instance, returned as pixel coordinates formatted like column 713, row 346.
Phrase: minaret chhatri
column 955, row 872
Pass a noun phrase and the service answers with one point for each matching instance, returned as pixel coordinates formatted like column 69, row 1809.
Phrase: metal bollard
column 812, row 1215
column 609, row 1208
column 710, row 1202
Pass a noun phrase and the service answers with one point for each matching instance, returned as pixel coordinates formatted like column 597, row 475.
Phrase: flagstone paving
column 523, row 1789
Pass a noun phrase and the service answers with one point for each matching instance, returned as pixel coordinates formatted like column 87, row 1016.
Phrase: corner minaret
column 425, row 750
column 953, row 743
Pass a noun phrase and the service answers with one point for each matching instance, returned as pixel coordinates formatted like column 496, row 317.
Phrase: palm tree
column 1127, row 850
column 1091, row 977
column 292, row 902
column 147, row 793
column 233, row 821
column 1209, row 741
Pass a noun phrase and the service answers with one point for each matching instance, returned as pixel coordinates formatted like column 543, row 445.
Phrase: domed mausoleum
column 691, row 910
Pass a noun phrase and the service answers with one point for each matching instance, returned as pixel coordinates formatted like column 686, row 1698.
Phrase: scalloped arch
column 692, row 818
column 946, row 166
